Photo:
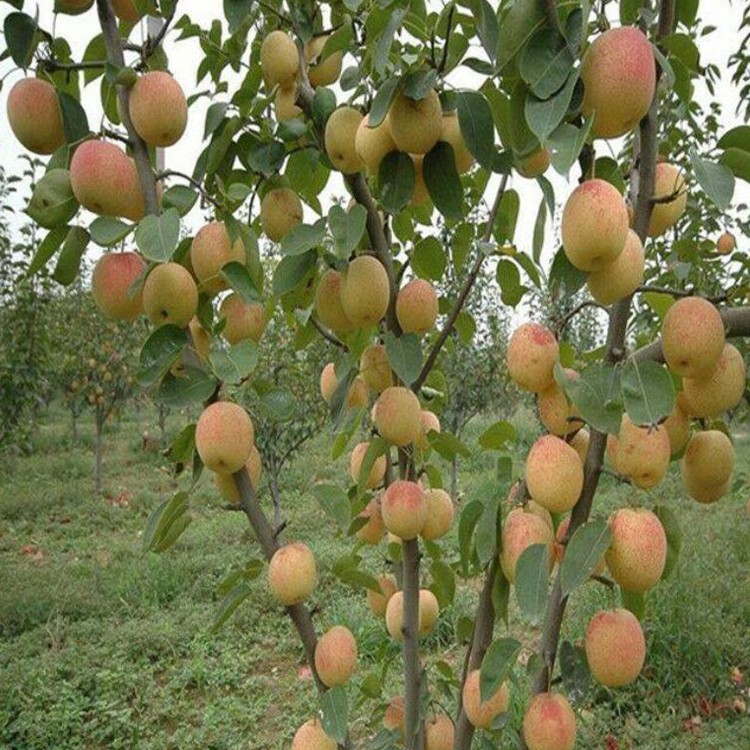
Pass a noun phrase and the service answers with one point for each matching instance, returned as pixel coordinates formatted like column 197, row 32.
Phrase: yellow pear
column 416, row 124
column 340, row 134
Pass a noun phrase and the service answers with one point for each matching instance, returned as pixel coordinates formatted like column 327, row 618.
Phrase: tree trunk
column 454, row 476
column 273, row 485
column 163, row 411
column 98, row 423
column 73, row 427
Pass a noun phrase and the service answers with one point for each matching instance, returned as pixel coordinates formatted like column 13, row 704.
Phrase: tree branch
column 563, row 322
column 326, row 334
column 413, row 726
column 115, row 55
column 463, row 294
column 682, row 293
column 550, row 11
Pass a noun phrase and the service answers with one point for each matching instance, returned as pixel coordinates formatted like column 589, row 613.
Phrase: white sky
column 184, row 56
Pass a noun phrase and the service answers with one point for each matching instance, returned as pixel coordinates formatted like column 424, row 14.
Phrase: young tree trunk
column 73, row 427
column 273, row 485
column 163, row 411
column 98, row 425
column 454, row 461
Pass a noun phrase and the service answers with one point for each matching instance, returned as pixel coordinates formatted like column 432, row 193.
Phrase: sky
column 714, row 48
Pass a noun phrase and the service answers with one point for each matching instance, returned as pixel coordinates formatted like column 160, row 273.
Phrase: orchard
column 365, row 184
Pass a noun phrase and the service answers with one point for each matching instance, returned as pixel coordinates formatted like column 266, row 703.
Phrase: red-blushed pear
column 520, row 530
column 677, row 425
column 336, row 656
column 373, row 144
column 619, row 78
column 725, row 244
column 439, row 733
column 451, row 133
column 322, row 72
column 692, row 337
column 34, row 116
column 311, row 736
column 245, row 320
column 373, row 530
column 285, row 103
column 549, row 723
column 417, row 306
column 339, row 136
column 105, row 180
column 638, row 551
column 643, row 453
column 668, row 182
column 534, row 165
column 225, row 482
column 421, row 194
column 377, row 601
column 580, row 441
column 532, row 353
column 292, row 573
column 375, row 368
column 440, row 514
column 429, row 611
column 377, row 470
column 365, row 291
column 126, row 10
column 279, row 59
column 111, row 285
column 554, row 474
column 201, row 339
column 707, row 465
column 556, row 412
column 328, row 303
column 210, row 251
column 721, row 390
column 481, row 713
column 280, row 212
column 158, row 109
column 615, row 647
column 394, row 716
column 224, row 437
column 594, row 225
column 428, row 422
column 356, row 396
column 622, row 276
column 416, row 124
column 560, row 546
column 398, row 415
column 170, row 295
column 404, row 508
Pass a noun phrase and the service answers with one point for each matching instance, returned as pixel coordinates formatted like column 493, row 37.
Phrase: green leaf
column 486, row 535
column 53, row 202
column 180, row 197
column 405, row 355
column 448, row 445
column 75, row 121
column 303, row 237
column 347, row 227
column 497, row 436
column 673, row 531
column 396, row 180
column 236, row 363
column 596, row 393
column 292, row 271
column 717, row 180
column 417, row 84
column 738, row 161
column 629, row 10
column 477, row 126
column 564, row 278
column 214, row 117
column 239, row 279
column 501, row 595
column 266, row 158
column 509, row 278
column 738, row 137
column 442, row 180
column 385, row 40
column 531, row 582
column 335, row 503
column 183, row 446
column 107, row 231
column 382, row 102
column 192, row 385
column 47, row 248
column 545, row 115
column 507, row 216
column 659, row 302
column 565, row 145
column 334, row 709
column 486, row 26
column 467, row 522
column 647, row 392
column 516, row 27
column 583, row 553
column 165, row 519
column 428, row 259
column 69, row 260
column 161, row 350
column 278, row 404
column 20, row 33
column 443, row 583
column 540, row 225
column 574, row 670
column 634, row 601
column 157, row 236
column 545, row 63
column 497, row 665
column 377, row 447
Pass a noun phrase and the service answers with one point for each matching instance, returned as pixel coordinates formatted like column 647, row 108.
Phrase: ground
column 105, row 646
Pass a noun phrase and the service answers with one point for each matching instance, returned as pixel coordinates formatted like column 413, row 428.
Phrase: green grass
column 104, row 646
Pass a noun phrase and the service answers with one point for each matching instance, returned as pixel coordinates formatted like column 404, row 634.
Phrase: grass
column 104, row 646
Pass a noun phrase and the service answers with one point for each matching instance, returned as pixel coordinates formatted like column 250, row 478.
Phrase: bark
column 98, row 450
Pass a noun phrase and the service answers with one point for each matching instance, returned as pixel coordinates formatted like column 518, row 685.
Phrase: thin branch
column 173, row 173
column 463, row 294
column 682, row 293
column 52, row 65
column 326, row 334
column 444, row 57
column 152, row 44
column 563, row 322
